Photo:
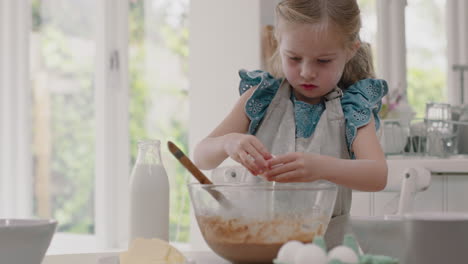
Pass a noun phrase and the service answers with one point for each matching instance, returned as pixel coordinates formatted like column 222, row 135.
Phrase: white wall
column 267, row 16
column 224, row 37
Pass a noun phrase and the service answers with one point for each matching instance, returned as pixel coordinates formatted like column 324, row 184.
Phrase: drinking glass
column 441, row 137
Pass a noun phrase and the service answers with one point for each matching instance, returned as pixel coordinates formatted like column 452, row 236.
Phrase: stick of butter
column 151, row 251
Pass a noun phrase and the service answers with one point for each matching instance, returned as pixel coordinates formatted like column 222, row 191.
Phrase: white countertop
column 455, row 164
column 204, row 257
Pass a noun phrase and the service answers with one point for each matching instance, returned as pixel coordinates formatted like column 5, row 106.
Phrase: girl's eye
column 295, row 58
column 324, row 61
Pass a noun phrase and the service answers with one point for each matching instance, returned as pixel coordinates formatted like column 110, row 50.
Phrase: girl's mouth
column 309, row 86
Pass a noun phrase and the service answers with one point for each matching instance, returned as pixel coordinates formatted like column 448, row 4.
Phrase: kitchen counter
column 450, row 165
column 205, row 257
column 442, row 196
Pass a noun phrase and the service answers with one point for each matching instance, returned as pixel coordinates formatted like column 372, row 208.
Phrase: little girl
column 316, row 112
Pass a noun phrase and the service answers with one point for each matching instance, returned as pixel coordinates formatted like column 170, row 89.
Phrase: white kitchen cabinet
column 384, row 203
column 434, row 198
column 361, row 204
column 457, row 193
column 448, row 190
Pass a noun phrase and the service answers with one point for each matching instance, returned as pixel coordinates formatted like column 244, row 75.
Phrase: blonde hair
column 345, row 14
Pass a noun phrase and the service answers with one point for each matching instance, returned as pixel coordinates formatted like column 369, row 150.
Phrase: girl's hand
column 294, row 167
column 248, row 151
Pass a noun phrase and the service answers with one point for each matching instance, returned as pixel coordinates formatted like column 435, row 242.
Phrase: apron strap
column 337, row 228
column 333, row 94
column 334, row 110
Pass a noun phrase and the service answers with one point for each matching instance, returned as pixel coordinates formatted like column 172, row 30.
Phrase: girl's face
column 313, row 59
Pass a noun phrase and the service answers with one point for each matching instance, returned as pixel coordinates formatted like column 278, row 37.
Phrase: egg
column 288, row 251
column 310, row 253
column 343, row 254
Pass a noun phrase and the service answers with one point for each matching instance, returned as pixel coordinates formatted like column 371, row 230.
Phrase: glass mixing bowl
column 263, row 217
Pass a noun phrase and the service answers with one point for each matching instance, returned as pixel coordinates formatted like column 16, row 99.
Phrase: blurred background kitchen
column 83, row 81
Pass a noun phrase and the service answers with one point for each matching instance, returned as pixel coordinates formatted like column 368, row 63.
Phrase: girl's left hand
column 294, row 167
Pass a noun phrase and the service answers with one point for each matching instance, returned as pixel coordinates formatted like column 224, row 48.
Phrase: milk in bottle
column 149, row 194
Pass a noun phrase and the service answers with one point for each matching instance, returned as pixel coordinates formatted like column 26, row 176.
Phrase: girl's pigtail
column 360, row 67
column 271, row 60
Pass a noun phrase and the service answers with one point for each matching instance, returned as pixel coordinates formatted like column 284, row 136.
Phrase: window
column 63, row 48
column 426, row 53
column 69, row 79
column 369, row 24
column 76, row 106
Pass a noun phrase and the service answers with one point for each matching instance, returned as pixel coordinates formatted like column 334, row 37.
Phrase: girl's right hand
column 248, row 151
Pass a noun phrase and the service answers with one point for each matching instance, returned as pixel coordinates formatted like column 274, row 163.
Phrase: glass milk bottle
column 149, row 194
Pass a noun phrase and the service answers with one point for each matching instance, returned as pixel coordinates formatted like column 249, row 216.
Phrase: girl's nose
column 308, row 72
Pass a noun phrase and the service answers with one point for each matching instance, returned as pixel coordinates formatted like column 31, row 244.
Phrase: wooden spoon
column 188, row 164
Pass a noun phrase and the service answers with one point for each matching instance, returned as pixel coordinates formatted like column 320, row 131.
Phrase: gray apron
column 277, row 132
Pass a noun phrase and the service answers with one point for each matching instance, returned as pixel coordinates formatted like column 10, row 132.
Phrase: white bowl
column 25, row 240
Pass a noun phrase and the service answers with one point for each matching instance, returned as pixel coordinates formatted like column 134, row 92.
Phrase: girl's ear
column 353, row 50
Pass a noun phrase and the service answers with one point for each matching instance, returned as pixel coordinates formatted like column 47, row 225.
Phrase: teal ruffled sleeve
column 361, row 101
column 257, row 104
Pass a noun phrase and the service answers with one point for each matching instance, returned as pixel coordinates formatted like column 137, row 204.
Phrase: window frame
column 111, row 104
column 112, row 125
column 392, row 52
column 15, row 135
column 457, row 48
